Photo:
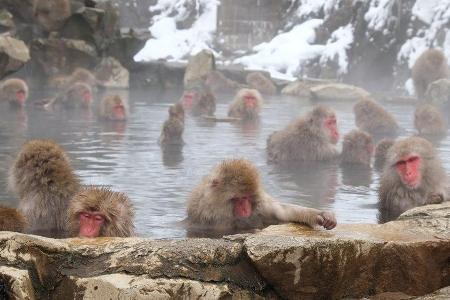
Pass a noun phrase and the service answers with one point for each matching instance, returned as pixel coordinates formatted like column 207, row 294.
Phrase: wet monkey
column 413, row 176
column 44, row 180
column 246, row 105
column 51, row 14
column 79, row 95
column 199, row 101
column 357, row 148
column 14, row 91
column 12, row 219
column 172, row 130
column 100, row 212
column 231, row 198
column 370, row 116
column 113, row 108
column 312, row 137
column 381, row 151
column 430, row 66
column 429, row 121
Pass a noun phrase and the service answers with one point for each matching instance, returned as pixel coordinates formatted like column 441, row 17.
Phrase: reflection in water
column 172, row 155
column 127, row 157
column 356, row 175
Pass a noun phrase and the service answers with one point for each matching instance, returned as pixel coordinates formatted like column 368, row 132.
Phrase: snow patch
column 336, row 48
column 378, row 14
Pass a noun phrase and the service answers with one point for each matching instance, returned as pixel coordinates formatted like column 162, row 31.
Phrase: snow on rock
column 169, row 42
column 378, row 14
column 341, row 40
column 281, row 57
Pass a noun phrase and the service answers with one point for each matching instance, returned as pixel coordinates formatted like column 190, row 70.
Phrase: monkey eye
column 400, row 163
column 413, row 159
column 98, row 218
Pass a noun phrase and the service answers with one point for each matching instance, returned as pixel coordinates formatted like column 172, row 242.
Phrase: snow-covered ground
column 285, row 55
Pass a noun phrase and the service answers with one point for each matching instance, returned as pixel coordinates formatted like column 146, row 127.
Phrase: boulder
column 337, row 92
column 198, row 68
column 18, row 282
column 6, row 20
column 111, row 74
column 438, row 92
column 297, row 88
column 13, row 55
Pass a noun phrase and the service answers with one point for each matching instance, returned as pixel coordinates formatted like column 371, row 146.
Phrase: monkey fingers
column 328, row 220
column 435, row 198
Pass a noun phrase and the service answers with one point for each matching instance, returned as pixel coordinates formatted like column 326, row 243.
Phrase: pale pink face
column 86, row 96
column 408, row 168
column 188, row 99
column 250, row 101
column 119, row 112
column 90, row 224
column 242, row 206
column 330, row 125
column 21, row 97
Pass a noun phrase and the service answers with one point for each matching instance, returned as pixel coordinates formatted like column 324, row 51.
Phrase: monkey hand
column 326, row 219
column 435, row 198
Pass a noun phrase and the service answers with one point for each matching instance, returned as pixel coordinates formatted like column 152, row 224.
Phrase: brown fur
column 430, row 66
column 115, row 207
column 84, row 76
column 304, row 139
column 238, row 109
column 381, row 151
column 172, row 130
column 58, row 82
column 107, row 105
column 218, row 83
column 71, row 98
column 373, row 118
column 204, row 102
column 356, row 148
column 44, row 181
column 11, row 219
column 209, row 205
column 9, row 87
column 428, row 120
column 394, row 196
column 51, row 14
column 260, row 82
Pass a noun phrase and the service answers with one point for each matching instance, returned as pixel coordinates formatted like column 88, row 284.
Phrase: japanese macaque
column 79, row 95
column 100, row 212
column 218, row 83
column 199, row 101
column 113, row 108
column 264, row 85
column 413, row 176
column 84, row 76
column 246, row 105
column 429, row 121
column 313, row 137
column 11, row 219
column 357, row 148
column 51, row 14
column 14, row 91
column 430, row 66
column 172, row 130
column 373, row 118
column 231, row 198
column 44, row 180
column 381, row 151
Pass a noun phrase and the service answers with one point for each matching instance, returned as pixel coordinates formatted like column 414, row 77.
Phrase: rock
column 125, row 47
column 442, row 294
column 19, row 284
column 6, row 20
column 198, row 68
column 262, row 83
column 158, row 74
column 59, row 55
column 13, row 55
column 111, row 74
column 337, row 92
column 438, row 92
column 297, row 88
column 409, row 256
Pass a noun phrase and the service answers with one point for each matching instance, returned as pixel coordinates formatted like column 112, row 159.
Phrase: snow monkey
column 258, row 81
column 51, row 14
column 312, row 137
column 113, row 108
column 232, row 198
column 381, row 151
column 199, row 101
column 373, row 118
column 172, row 130
column 413, row 176
column 429, row 121
column 357, row 148
column 246, row 105
column 79, row 95
column 100, row 212
column 12, row 219
column 14, row 91
column 43, row 179
column 430, row 66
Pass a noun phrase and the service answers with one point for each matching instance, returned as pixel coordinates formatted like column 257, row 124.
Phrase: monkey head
column 95, row 212
column 176, row 111
column 359, row 145
column 16, row 91
column 79, row 93
column 429, row 120
column 411, row 159
column 117, row 109
column 235, row 183
column 323, row 120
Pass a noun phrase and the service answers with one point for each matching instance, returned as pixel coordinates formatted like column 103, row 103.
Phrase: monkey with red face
column 113, row 108
column 413, row 176
column 231, row 199
column 199, row 101
column 313, row 137
column 14, row 91
column 246, row 105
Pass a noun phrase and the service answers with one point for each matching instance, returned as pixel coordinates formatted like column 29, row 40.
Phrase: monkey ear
column 214, row 183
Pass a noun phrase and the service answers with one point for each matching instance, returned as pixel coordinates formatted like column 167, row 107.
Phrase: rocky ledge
column 404, row 259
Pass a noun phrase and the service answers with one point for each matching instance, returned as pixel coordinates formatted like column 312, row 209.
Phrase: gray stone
column 337, row 92
column 13, row 54
column 110, row 73
column 198, row 68
column 438, row 92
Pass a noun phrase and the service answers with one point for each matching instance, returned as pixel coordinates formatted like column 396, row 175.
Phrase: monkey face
column 90, row 224
column 243, row 206
column 330, row 125
column 21, row 97
column 409, row 170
